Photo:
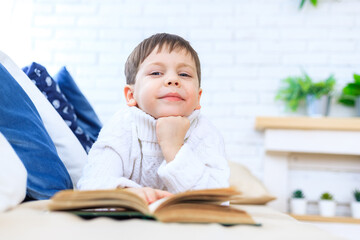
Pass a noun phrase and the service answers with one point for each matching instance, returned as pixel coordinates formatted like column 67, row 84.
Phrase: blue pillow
column 87, row 118
column 22, row 126
column 51, row 90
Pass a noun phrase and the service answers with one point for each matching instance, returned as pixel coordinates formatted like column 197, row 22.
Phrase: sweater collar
column 146, row 124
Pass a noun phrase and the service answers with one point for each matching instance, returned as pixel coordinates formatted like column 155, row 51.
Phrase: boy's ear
column 129, row 96
column 199, row 106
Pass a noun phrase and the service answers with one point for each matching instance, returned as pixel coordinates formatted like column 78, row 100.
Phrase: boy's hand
column 170, row 132
column 150, row 195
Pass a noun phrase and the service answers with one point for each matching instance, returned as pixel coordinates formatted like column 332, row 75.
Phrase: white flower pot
column 318, row 107
column 355, row 209
column 357, row 106
column 327, row 208
column 298, row 206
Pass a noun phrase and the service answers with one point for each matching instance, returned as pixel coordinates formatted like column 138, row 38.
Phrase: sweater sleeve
column 104, row 170
column 105, row 167
column 200, row 163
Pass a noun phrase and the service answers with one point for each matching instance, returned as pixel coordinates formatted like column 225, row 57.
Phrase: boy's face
column 166, row 84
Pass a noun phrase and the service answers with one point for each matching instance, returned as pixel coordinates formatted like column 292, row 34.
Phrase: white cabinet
column 284, row 136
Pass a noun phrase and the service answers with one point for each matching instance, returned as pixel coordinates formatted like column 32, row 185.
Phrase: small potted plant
column 298, row 203
column 327, row 205
column 302, row 2
column 296, row 90
column 355, row 205
column 350, row 95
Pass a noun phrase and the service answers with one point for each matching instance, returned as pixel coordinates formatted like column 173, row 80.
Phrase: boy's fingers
column 161, row 194
column 143, row 195
column 150, row 195
column 138, row 191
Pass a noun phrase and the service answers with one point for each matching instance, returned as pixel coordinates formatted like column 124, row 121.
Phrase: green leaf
column 314, row 2
column 298, row 194
column 326, row 196
column 305, row 83
column 350, row 92
column 357, row 195
column 356, row 78
column 291, row 93
column 352, row 89
column 347, row 100
column 302, row 4
column 321, row 88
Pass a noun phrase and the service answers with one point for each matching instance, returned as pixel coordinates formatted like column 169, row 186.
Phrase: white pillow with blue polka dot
column 49, row 88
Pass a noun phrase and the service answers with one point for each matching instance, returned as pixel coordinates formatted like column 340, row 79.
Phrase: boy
column 160, row 144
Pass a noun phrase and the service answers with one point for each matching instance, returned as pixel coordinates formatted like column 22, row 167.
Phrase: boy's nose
column 172, row 82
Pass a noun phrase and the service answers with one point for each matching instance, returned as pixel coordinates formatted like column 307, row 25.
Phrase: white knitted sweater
column 127, row 154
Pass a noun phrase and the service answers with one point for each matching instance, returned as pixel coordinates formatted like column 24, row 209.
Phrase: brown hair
column 144, row 49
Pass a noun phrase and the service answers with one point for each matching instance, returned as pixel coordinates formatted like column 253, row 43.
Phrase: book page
column 153, row 206
column 70, row 199
column 214, row 196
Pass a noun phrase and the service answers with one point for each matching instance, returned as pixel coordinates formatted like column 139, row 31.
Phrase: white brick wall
column 246, row 48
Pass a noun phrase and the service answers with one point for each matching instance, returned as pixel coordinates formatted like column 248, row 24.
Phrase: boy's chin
column 170, row 114
column 167, row 115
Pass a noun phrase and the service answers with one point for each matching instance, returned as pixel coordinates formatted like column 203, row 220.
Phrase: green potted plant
column 350, row 95
column 327, row 205
column 302, row 2
column 355, row 205
column 298, row 203
column 296, row 90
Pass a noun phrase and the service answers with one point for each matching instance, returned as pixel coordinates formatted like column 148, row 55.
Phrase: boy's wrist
column 169, row 151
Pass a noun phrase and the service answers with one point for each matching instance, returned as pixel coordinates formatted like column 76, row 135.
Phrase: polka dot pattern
column 50, row 89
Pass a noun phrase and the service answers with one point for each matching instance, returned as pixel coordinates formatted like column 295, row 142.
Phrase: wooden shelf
column 308, row 123
column 317, row 218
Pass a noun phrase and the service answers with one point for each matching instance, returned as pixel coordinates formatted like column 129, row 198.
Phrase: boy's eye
column 184, row 75
column 155, row 73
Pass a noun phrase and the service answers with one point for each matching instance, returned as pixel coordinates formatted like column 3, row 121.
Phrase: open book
column 198, row 206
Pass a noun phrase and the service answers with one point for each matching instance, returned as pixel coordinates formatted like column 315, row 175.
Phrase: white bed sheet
column 32, row 221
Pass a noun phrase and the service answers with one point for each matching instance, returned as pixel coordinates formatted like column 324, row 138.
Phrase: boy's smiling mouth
column 172, row 97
